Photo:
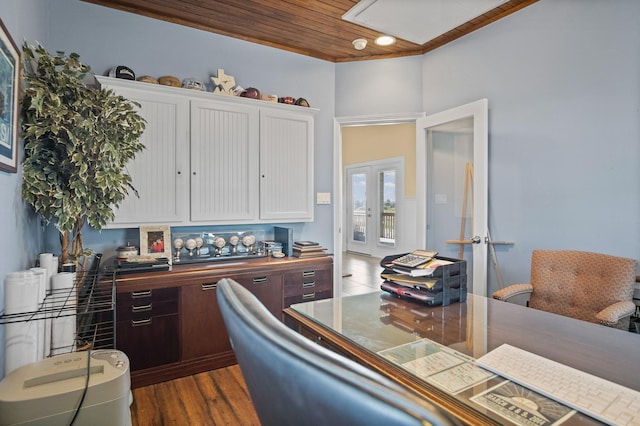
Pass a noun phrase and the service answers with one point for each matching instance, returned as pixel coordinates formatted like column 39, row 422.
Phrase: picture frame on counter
column 9, row 88
column 155, row 241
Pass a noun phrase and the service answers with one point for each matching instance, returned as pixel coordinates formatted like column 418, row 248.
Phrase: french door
column 372, row 201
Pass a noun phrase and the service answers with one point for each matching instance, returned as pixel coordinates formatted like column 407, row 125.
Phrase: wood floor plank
column 218, row 398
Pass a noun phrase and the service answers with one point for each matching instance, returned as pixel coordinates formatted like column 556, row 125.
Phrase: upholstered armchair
column 588, row 286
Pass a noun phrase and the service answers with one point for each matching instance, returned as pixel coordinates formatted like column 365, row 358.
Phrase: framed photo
column 155, row 241
column 9, row 85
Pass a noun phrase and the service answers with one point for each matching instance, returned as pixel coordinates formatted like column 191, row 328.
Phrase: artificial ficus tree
column 78, row 139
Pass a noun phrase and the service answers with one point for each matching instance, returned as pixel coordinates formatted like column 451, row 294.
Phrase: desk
column 361, row 326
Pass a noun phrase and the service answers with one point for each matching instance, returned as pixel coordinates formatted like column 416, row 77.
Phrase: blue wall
column 21, row 232
column 379, row 87
column 104, row 38
column 563, row 83
column 562, row 79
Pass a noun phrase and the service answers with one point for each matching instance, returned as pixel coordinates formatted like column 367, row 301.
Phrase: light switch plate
column 323, row 198
column 440, row 199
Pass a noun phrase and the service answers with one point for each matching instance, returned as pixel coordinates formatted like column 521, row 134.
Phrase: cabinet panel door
column 267, row 288
column 224, row 162
column 286, row 166
column 149, row 342
column 203, row 329
column 159, row 172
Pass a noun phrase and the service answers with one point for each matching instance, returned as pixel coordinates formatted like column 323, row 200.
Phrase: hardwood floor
column 361, row 274
column 220, row 397
column 217, row 397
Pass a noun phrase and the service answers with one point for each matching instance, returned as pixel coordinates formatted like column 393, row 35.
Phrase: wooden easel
column 468, row 192
column 467, row 197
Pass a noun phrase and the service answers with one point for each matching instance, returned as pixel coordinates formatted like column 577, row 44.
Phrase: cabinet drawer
column 146, row 309
column 307, row 297
column 308, row 281
column 151, row 295
column 140, row 304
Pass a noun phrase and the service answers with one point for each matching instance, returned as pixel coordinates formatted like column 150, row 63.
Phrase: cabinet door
column 159, row 172
column 202, row 327
column 268, row 288
column 224, row 162
column 149, row 342
column 286, row 165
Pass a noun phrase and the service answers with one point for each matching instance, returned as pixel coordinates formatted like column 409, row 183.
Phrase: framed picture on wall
column 155, row 241
column 9, row 85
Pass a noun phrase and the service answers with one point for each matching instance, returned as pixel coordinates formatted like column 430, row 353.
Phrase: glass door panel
column 358, row 211
column 387, row 206
column 359, row 207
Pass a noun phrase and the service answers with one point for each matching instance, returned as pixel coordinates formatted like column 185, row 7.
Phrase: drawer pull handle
column 209, row 286
column 141, row 308
column 138, row 323
column 307, row 274
column 259, row 280
column 143, row 293
column 309, row 285
column 308, row 296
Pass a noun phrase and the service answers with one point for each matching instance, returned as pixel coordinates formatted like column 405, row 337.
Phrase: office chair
column 294, row 381
column 588, row 286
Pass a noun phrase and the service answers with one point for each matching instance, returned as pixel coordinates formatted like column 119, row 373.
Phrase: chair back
column 294, row 381
column 579, row 284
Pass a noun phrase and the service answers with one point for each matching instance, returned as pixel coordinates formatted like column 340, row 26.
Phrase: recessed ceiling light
column 385, row 40
column 359, row 43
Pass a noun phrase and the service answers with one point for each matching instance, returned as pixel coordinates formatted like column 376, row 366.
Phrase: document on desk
column 439, row 365
column 523, row 406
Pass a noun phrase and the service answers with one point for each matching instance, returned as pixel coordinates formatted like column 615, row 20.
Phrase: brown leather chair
column 588, row 286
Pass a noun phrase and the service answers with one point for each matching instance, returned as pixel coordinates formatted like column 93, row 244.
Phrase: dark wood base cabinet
column 169, row 324
column 147, row 327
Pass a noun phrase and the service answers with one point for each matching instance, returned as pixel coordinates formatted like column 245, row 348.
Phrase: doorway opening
column 452, row 179
column 403, row 232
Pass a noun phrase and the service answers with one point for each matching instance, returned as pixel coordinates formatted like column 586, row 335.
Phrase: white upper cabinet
column 160, row 173
column 214, row 159
column 224, row 164
column 286, row 166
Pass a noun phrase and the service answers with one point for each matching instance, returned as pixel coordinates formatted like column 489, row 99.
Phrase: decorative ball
column 248, row 240
column 178, row 243
column 169, row 80
column 251, row 92
column 190, row 244
column 219, row 242
column 148, row 79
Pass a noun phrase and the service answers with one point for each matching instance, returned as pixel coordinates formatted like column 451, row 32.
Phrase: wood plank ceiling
column 309, row 27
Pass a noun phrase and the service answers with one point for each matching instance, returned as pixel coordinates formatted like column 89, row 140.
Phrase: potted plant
column 78, row 140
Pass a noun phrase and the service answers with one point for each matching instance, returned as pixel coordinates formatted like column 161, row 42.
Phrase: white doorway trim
column 338, row 123
column 479, row 111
